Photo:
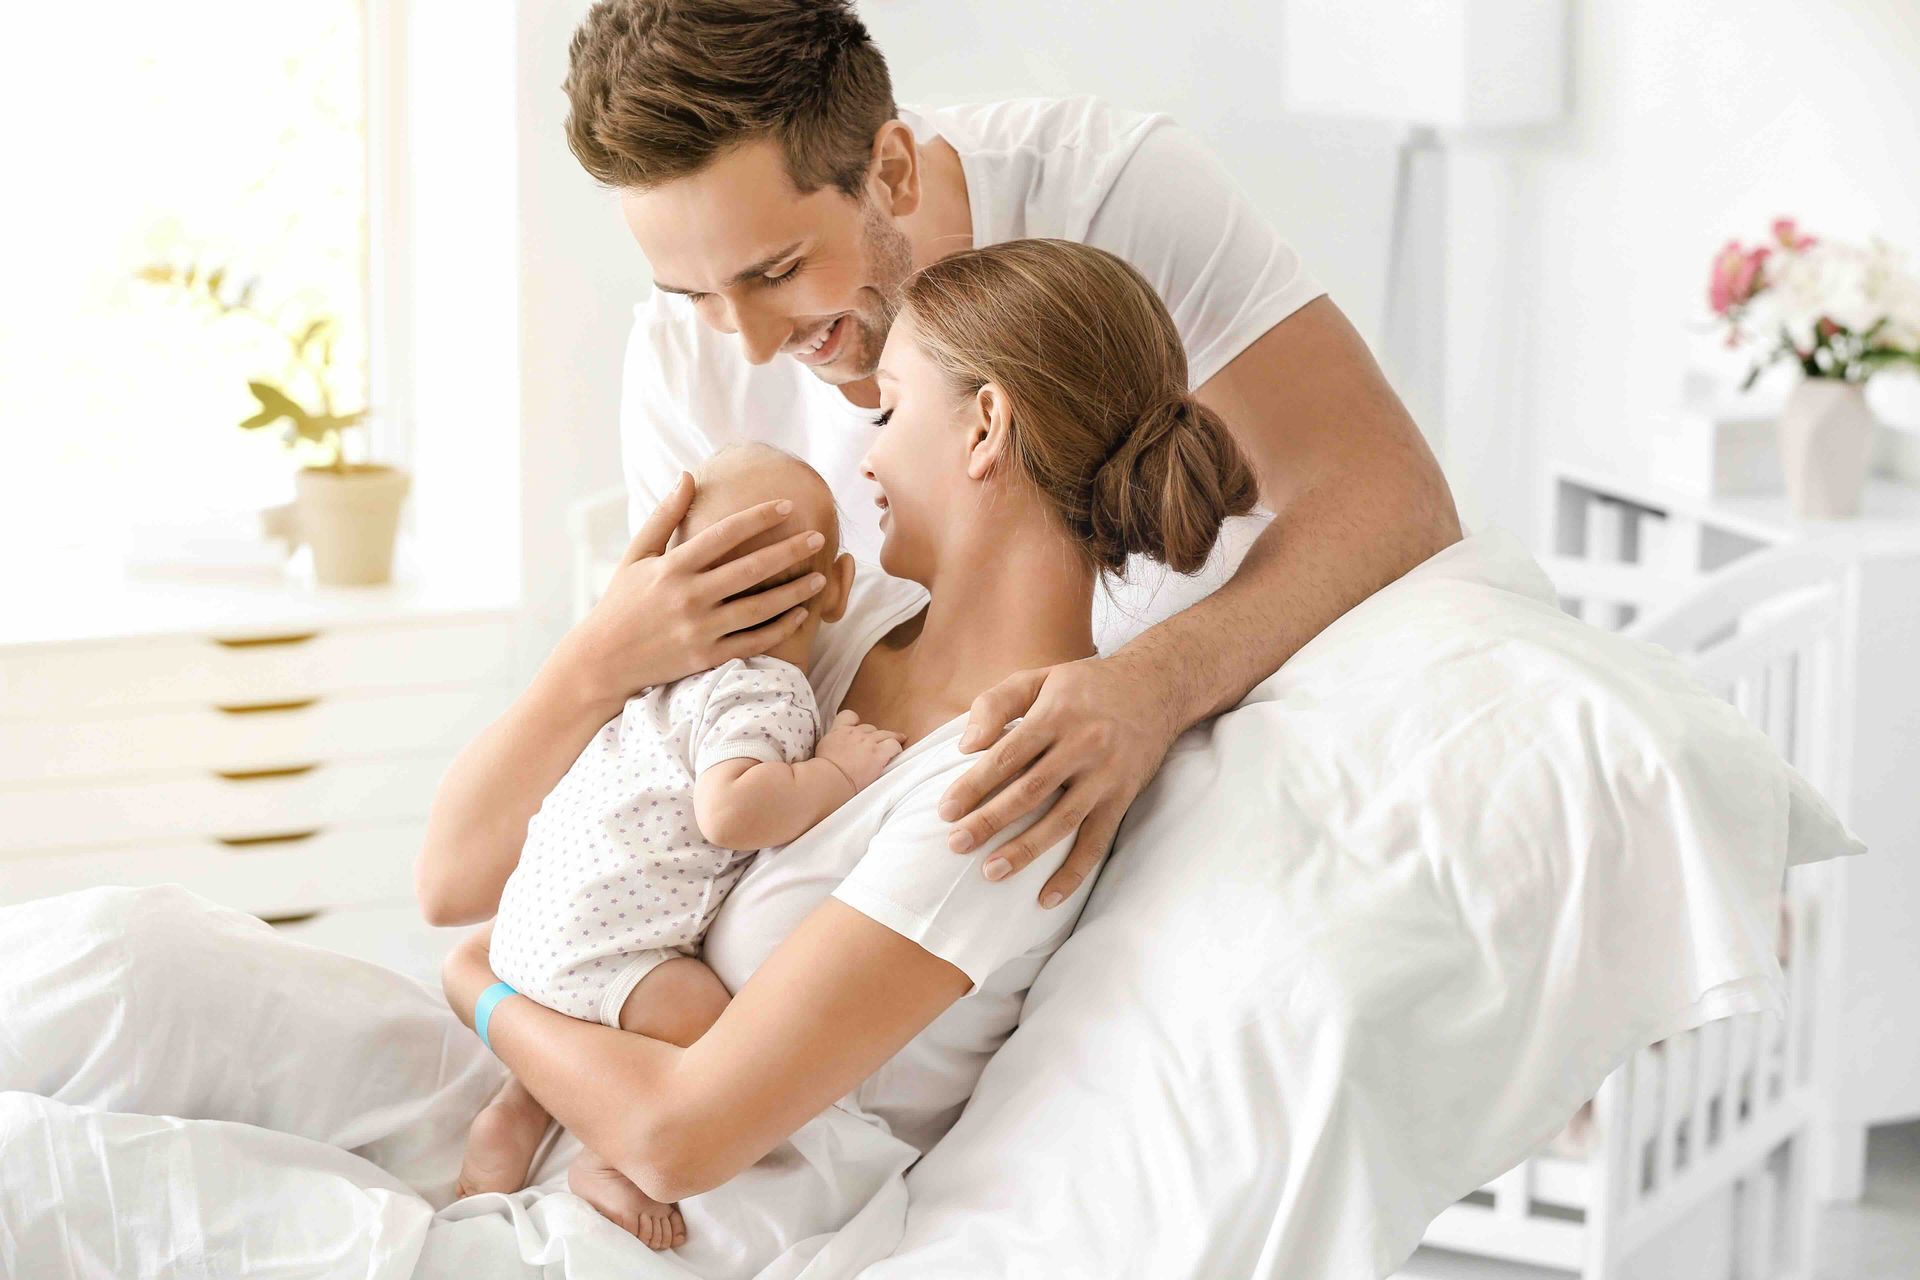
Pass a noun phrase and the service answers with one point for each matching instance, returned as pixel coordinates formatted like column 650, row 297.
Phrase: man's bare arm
column 1358, row 500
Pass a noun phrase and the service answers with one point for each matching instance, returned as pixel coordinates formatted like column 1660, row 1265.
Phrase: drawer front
column 231, row 808
column 343, row 867
column 197, row 673
column 248, row 736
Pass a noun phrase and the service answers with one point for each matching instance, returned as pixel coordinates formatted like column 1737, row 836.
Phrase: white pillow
column 1367, row 942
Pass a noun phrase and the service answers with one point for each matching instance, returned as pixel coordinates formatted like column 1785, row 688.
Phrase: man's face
column 802, row 277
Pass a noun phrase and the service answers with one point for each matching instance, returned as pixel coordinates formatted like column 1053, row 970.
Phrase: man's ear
column 989, row 431
column 831, row 602
column 895, row 169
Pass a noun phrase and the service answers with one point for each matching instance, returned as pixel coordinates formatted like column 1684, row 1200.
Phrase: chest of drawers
column 274, row 747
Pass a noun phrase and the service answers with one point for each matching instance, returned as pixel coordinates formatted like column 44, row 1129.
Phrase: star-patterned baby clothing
column 615, row 877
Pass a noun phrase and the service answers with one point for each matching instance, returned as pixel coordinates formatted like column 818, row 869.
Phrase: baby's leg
column 676, row 1002
column 501, row 1143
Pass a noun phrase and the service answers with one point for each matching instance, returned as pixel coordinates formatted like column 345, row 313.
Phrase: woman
column 1035, row 429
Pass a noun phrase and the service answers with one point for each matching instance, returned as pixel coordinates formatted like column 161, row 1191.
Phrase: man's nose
column 760, row 333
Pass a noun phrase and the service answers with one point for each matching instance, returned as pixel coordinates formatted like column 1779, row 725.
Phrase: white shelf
column 65, row 597
column 1890, row 510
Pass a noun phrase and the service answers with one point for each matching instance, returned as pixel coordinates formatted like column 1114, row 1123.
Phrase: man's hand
column 667, row 614
column 1098, row 727
column 858, row 750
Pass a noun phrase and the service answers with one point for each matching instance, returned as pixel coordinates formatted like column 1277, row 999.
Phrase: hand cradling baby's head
column 745, row 475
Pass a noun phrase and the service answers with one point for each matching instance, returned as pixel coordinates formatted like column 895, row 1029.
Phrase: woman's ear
column 895, row 169
column 989, row 431
column 831, row 602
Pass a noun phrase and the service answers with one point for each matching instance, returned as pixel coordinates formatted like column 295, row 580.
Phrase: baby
column 636, row 847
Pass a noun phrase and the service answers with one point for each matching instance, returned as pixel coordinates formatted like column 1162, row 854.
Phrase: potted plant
column 348, row 512
column 1843, row 313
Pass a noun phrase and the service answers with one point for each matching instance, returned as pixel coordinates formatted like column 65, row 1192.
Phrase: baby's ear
column 831, row 603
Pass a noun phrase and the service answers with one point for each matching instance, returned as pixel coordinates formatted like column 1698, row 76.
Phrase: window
column 208, row 133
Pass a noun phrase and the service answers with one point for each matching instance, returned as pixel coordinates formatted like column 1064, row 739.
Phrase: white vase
column 1826, row 436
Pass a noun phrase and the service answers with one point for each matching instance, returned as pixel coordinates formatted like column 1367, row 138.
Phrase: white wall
column 580, row 274
column 1581, row 251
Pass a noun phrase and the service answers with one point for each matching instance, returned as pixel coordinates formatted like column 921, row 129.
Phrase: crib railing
column 1731, row 1107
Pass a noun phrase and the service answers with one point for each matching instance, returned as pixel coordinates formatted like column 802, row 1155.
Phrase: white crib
column 1732, row 1110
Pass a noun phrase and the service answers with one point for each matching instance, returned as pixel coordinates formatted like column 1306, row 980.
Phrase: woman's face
column 919, row 460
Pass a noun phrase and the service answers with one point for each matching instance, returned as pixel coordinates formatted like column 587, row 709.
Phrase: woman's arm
column 664, row 614
column 837, row 999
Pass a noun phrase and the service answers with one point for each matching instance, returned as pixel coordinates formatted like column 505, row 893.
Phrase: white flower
column 1853, row 287
column 1894, row 292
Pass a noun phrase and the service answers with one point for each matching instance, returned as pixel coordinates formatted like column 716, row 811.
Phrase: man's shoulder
column 1040, row 124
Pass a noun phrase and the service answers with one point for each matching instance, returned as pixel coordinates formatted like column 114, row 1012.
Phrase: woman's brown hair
column 1102, row 421
column 658, row 88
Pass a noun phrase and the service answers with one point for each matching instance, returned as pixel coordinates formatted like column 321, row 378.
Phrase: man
column 780, row 195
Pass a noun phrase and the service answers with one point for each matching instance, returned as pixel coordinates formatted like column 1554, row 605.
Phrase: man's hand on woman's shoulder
column 1098, row 728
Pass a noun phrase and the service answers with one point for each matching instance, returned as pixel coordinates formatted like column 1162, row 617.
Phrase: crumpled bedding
column 1367, row 941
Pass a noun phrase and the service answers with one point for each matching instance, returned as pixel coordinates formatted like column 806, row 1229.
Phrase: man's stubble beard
column 890, row 254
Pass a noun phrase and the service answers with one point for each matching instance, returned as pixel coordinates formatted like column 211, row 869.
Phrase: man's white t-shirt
column 1135, row 184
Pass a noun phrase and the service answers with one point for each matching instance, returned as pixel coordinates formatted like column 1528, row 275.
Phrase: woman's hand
column 466, row 972
column 667, row 614
column 1098, row 727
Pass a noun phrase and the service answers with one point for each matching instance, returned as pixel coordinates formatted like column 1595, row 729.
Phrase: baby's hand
column 858, row 750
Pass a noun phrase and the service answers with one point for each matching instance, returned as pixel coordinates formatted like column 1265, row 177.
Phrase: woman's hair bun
column 1102, row 423
column 1167, row 486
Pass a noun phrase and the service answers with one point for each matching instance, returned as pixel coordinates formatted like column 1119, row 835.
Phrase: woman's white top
column 884, row 853
column 1133, row 183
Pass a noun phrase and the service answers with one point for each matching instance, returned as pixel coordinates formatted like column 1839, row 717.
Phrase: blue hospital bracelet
column 483, row 1010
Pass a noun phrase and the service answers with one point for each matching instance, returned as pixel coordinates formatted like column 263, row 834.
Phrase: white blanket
column 1367, row 940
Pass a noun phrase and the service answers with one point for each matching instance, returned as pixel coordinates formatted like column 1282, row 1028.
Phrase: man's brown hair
column 658, row 88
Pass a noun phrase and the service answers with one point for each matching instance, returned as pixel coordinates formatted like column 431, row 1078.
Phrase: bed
column 1717, row 1129
column 1364, row 945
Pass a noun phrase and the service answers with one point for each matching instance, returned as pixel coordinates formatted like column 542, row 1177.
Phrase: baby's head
column 746, row 475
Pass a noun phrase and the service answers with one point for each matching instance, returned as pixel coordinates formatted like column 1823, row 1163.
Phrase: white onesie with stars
column 615, row 877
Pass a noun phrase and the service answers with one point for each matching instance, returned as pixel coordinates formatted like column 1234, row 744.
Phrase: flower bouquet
column 1842, row 313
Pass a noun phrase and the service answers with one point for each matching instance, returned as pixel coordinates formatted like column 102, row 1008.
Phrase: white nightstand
column 272, row 745
column 1627, row 539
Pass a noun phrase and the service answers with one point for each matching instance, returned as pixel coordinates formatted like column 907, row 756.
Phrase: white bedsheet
column 1367, row 941
column 184, row 1092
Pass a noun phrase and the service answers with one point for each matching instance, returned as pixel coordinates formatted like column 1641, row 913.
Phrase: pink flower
column 1787, row 232
column 1736, row 277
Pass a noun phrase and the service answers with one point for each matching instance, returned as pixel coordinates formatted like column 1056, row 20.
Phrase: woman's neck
column 1026, row 601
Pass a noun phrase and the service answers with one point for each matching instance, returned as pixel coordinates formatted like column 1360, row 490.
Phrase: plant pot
column 1826, row 437
column 350, row 518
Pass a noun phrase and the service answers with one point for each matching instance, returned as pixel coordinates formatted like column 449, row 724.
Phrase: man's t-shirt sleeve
column 1226, row 274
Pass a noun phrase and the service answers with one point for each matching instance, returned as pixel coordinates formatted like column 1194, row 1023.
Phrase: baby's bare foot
column 656, row 1225
column 501, row 1143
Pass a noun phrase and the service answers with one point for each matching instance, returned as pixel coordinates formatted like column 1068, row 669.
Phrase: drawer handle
column 285, row 837
column 292, row 917
column 256, row 642
column 253, row 708
column 254, row 775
